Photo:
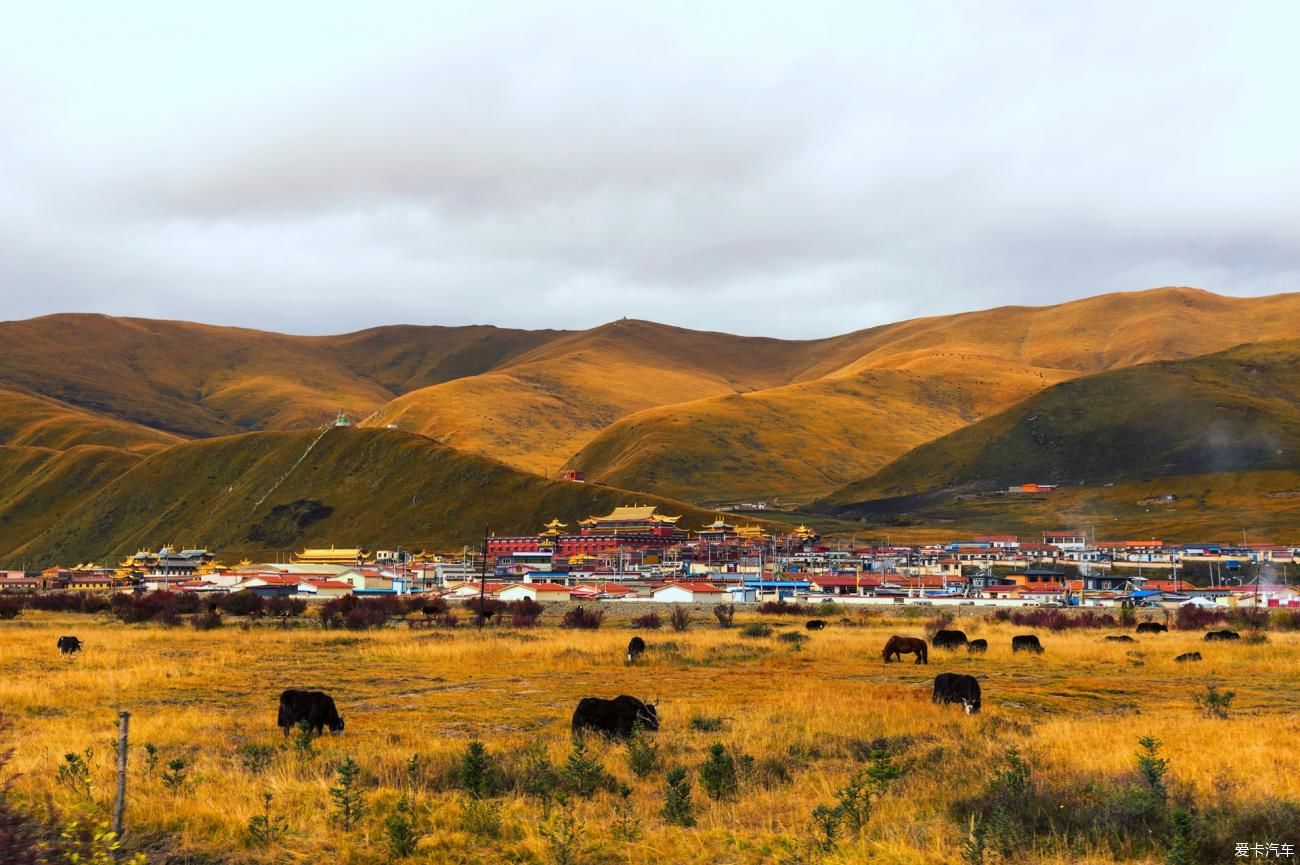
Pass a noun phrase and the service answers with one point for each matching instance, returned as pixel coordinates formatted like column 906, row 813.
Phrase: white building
column 689, row 593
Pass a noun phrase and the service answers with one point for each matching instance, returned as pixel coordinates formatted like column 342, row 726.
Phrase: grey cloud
column 735, row 168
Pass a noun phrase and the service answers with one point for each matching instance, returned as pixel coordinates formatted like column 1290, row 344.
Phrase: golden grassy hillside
column 35, row 421
column 356, row 487
column 201, row 380
column 1237, row 410
column 860, row 413
column 707, row 416
column 539, row 409
column 811, row 717
column 1092, row 335
column 799, row 441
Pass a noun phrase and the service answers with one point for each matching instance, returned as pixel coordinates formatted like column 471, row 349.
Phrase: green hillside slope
column 1234, row 411
column 372, row 487
column 40, row 488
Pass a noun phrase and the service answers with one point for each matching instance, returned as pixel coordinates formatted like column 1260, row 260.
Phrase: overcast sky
column 793, row 170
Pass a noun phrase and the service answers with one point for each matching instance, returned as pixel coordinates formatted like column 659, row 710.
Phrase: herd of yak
column 621, row 716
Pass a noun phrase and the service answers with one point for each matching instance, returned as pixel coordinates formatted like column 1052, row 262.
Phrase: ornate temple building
column 333, row 556
column 721, row 532
column 168, row 562
column 635, row 527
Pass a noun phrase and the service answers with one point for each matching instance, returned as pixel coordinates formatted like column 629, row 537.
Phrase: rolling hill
column 536, row 399
column 355, row 486
column 798, row 441
column 198, row 380
column 40, row 487
column 28, row 420
column 1234, row 411
column 537, row 410
column 90, row 404
column 879, row 393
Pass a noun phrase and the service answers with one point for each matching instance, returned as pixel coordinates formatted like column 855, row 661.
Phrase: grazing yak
column 948, row 639
column 618, row 717
column 896, row 647
column 957, row 688
column 816, row 624
column 635, row 649
column 1211, row 636
column 1151, row 628
column 1188, row 656
column 68, row 645
column 1026, row 643
column 1121, row 638
column 980, row 645
column 316, row 708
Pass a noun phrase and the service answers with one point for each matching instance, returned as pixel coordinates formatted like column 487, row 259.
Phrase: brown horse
column 899, row 646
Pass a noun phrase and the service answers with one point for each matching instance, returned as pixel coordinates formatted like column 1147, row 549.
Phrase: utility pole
column 482, row 583
column 119, row 802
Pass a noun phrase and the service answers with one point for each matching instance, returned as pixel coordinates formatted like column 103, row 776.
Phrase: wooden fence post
column 119, row 804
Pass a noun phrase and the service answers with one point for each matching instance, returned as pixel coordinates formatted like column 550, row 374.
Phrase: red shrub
column 526, row 607
column 1193, row 618
column 149, row 607
column 11, row 607
column 1056, row 619
column 649, row 620
column 583, row 618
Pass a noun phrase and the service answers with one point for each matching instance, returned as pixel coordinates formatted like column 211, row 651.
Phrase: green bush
column 705, row 724
column 256, row 758
column 400, row 834
column 642, row 754
column 1215, row 703
column 481, row 817
column 348, row 804
column 582, row 775
column 678, row 809
column 266, row 828
column 718, row 774
column 538, row 777
column 476, row 771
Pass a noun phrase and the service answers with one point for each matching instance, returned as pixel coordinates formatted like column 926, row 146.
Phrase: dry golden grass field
column 810, row 711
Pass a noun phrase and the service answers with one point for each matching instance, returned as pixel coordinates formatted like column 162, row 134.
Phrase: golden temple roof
column 348, row 554
column 631, row 513
column 553, row 528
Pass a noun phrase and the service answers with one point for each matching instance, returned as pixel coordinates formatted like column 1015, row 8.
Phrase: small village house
column 689, row 593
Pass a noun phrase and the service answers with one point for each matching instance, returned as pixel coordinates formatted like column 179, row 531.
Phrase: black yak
column 948, row 639
column 957, row 688
column 1026, row 643
column 618, row 717
column 316, row 708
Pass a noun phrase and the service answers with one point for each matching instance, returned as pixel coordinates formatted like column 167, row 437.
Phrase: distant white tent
column 1201, row 602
